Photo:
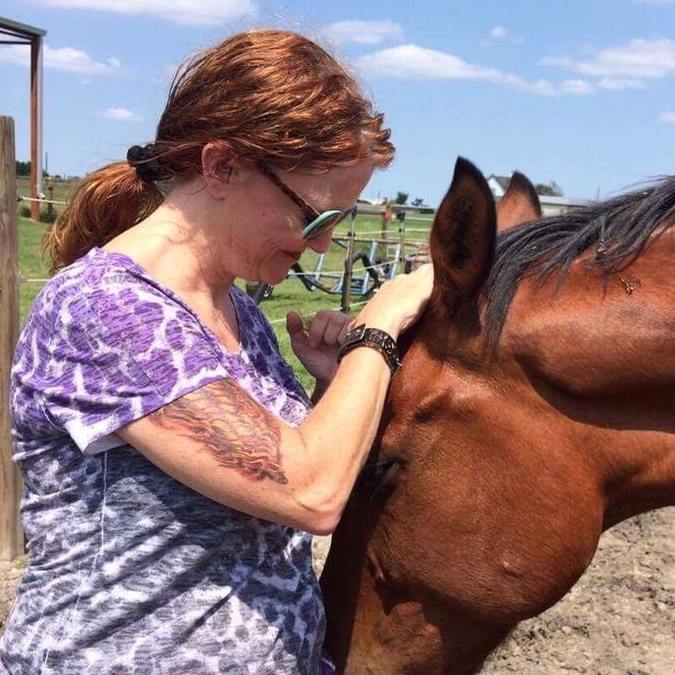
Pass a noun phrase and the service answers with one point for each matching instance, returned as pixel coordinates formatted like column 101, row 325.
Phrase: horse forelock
column 615, row 231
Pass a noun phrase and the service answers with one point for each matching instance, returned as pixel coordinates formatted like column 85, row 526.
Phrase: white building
column 550, row 205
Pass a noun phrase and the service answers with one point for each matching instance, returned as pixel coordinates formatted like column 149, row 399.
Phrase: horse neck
column 652, row 486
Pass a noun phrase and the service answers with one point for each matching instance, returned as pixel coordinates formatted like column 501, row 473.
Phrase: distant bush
column 47, row 217
column 24, row 211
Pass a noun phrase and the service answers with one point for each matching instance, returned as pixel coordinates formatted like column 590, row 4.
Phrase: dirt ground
column 618, row 620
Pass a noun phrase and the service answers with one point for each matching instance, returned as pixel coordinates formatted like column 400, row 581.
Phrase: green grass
column 31, row 264
column 62, row 189
column 290, row 294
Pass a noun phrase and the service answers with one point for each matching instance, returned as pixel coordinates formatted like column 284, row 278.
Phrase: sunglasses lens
column 325, row 221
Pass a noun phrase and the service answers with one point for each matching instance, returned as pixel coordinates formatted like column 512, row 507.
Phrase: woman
column 172, row 464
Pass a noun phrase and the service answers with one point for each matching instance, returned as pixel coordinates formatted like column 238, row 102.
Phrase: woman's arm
column 223, row 444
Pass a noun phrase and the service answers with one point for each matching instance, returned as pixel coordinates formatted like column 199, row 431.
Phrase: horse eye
column 377, row 479
column 425, row 412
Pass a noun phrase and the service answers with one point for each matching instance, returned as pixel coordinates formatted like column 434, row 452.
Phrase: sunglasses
column 316, row 222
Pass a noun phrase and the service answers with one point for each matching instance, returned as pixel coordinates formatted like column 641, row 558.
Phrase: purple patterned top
column 131, row 572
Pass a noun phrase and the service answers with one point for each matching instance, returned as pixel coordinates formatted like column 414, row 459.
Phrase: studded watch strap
column 376, row 339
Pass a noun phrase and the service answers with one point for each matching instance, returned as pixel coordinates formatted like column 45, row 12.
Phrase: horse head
column 534, row 408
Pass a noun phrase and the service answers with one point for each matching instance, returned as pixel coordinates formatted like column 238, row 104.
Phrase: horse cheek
column 494, row 552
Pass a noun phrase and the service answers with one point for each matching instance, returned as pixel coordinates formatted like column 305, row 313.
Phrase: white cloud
column 577, row 87
column 364, row 32
column 618, row 83
column 62, row 58
column 120, row 114
column 540, row 87
column 77, row 61
column 668, row 117
column 639, row 59
column 412, row 61
column 186, row 12
column 498, row 32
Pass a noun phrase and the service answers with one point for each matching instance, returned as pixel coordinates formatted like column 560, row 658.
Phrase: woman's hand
column 397, row 305
column 317, row 347
column 399, row 302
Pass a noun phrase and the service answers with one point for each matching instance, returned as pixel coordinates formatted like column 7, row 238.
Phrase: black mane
column 615, row 231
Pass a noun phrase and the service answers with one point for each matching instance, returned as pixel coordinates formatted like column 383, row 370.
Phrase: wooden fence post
column 11, row 535
column 345, row 298
column 35, row 124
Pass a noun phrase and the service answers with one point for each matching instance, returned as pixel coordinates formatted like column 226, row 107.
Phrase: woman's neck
column 174, row 247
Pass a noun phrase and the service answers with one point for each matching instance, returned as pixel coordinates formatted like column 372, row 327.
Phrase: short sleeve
column 118, row 352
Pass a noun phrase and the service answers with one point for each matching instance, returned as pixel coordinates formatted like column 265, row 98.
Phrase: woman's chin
column 278, row 279
column 272, row 278
column 278, row 270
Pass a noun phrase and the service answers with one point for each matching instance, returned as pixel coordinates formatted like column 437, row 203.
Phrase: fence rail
column 40, row 200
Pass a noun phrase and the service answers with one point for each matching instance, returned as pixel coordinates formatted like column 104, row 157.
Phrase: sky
column 580, row 92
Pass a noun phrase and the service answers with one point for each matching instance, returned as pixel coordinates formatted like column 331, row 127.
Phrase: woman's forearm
column 340, row 430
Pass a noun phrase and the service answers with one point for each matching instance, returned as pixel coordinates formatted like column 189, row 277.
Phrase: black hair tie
column 144, row 160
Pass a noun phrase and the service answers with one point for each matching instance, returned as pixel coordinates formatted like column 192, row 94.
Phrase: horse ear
column 463, row 237
column 519, row 204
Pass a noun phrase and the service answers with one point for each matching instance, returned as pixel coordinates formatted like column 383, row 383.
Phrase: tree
column 551, row 189
column 401, row 198
column 23, row 168
column 418, row 201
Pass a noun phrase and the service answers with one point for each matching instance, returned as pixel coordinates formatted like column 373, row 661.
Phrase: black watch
column 375, row 339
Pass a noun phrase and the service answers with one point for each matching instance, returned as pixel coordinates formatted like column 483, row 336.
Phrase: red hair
column 270, row 95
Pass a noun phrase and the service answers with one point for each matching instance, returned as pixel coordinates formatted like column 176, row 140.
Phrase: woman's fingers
column 327, row 327
column 295, row 327
column 333, row 329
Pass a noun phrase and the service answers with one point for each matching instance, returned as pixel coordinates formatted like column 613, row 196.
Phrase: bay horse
column 534, row 409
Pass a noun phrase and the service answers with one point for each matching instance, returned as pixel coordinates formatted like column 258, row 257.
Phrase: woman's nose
column 321, row 243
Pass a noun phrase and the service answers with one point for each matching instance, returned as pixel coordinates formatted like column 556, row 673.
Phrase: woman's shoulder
column 105, row 345
column 100, row 281
column 103, row 307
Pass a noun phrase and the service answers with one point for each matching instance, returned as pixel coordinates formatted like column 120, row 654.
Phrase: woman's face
column 268, row 236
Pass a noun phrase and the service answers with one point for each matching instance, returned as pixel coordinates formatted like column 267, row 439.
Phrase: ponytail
column 105, row 203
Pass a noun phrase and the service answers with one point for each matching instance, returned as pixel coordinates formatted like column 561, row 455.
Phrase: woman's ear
column 218, row 166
